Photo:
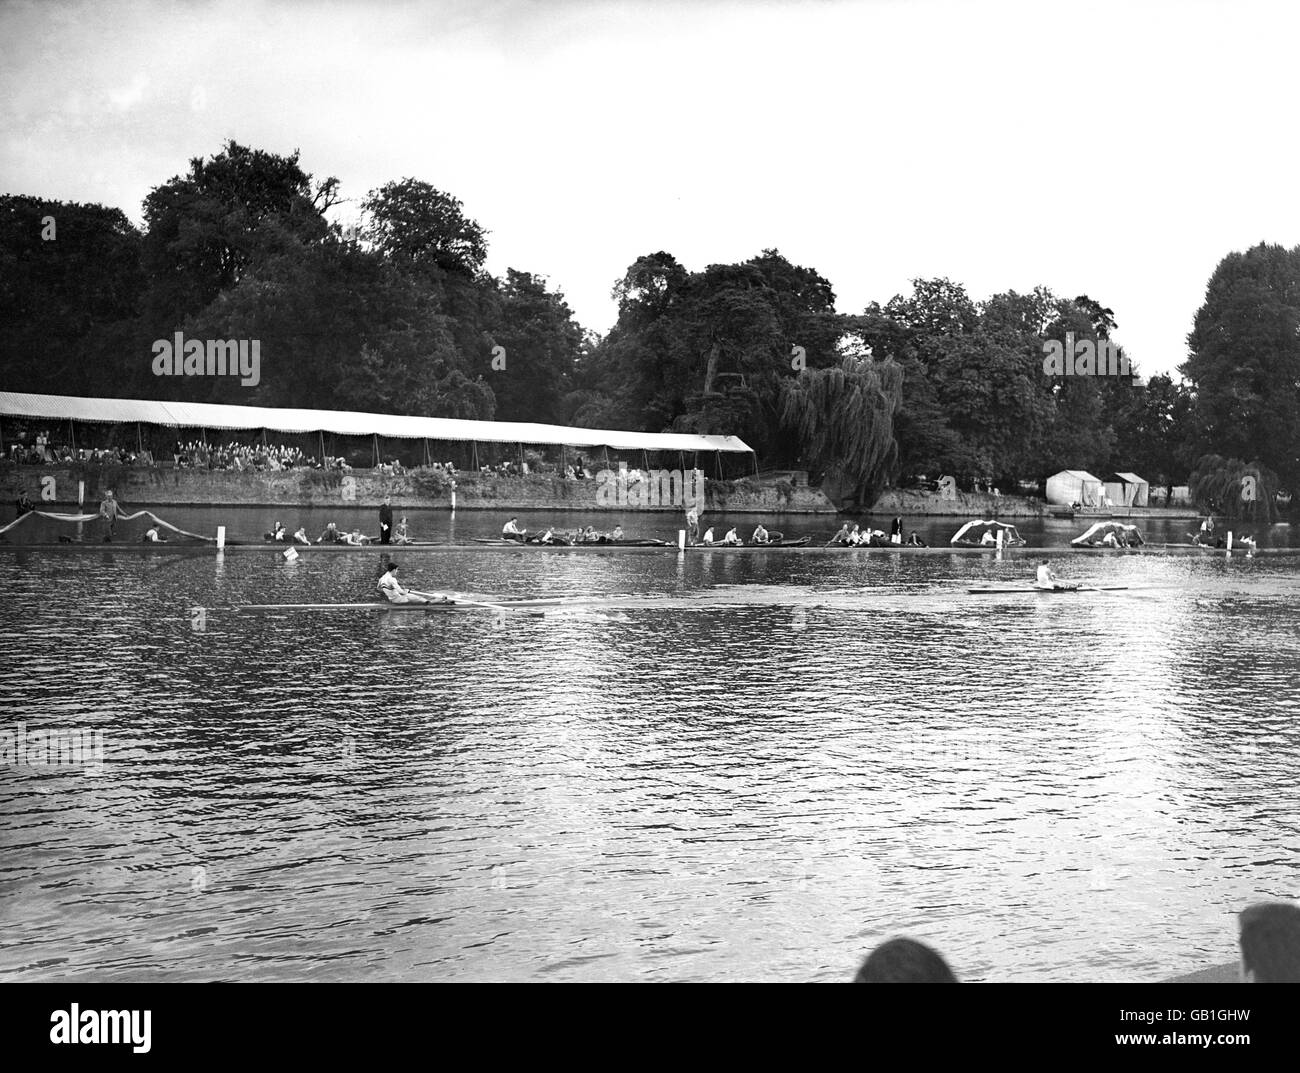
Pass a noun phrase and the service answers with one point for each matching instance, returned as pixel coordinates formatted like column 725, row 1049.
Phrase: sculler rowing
column 396, row 594
column 1047, row 578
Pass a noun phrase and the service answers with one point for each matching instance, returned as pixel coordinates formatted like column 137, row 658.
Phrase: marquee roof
column 349, row 423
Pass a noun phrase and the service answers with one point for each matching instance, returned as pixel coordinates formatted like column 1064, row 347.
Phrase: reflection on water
column 744, row 767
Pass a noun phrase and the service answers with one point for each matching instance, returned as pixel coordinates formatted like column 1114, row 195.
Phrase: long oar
column 440, row 597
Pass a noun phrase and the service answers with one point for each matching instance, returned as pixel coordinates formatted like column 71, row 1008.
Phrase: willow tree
column 843, row 418
column 1235, row 489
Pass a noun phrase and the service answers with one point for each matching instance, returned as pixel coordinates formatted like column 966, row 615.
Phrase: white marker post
column 221, row 536
column 1230, row 540
column 453, row 501
column 81, row 493
column 681, row 539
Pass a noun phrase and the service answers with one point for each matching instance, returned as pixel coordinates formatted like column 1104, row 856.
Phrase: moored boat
column 987, row 533
column 801, row 542
column 1109, row 536
column 504, row 542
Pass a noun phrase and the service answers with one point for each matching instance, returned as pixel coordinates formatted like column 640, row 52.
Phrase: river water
column 729, row 767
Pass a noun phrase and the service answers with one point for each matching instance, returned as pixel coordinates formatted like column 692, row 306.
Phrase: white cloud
column 124, row 99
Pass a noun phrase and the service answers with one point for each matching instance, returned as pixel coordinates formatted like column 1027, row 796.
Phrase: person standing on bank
column 386, row 522
column 692, row 526
column 108, row 511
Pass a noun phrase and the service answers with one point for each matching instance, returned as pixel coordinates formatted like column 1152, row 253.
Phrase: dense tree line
column 400, row 315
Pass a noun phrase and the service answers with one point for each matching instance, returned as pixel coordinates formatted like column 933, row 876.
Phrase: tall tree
column 1244, row 365
column 205, row 229
column 71, row 288
column 341, row 328
column 844, row 419
column 542, row 342
column 424, row 233
column 1151, row 430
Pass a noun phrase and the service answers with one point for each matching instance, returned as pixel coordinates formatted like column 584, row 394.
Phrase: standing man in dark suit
column 386, row 522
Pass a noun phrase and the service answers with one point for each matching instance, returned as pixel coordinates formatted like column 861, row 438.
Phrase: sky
column 1115, row 150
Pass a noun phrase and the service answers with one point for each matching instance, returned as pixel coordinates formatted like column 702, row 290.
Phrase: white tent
column 1074, row 486
column 1127, row 490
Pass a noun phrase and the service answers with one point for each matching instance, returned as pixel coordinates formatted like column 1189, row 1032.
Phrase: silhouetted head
column 904, row 961
column 1270, row 943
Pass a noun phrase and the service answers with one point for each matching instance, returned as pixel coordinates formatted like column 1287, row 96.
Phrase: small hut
column 1072, row 486
column 1127, row 490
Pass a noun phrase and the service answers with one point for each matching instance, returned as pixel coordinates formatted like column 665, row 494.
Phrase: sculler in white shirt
column 392, row 589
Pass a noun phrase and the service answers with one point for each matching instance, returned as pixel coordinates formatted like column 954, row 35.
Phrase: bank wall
column 957, row 504
column 161, row 486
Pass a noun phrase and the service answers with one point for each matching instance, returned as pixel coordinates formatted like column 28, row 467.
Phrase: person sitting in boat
column 24, row 504
column 1206, row 534
column 841, row 538
column 1110, row 540
column 153, row 535
column 331, row 535
column 707, row 539
column 1046, row 579
column 760, row 535
column 617, row 534
column 356, row 538
column 915, row 541
column 878, row 539
column 277, row 532
column 855, row 536
column 732, row 536
column 300, row 536
column 393, row 590
column 988, row 540
column 511, row 530
column 401, row 535
column 548, row 537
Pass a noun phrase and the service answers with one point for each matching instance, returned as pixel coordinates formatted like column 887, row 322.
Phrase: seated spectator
column 904, row 961
column 300, row 537
column 401, row 535
column 331, row 535
column 1270, row 943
